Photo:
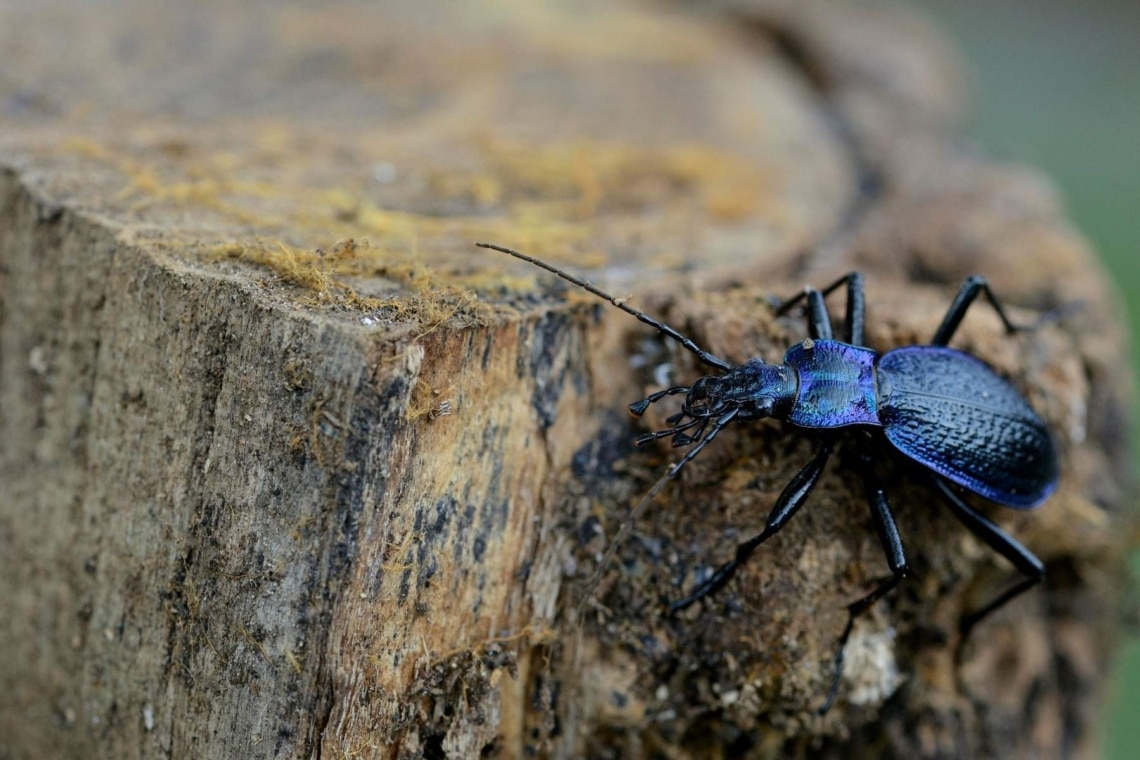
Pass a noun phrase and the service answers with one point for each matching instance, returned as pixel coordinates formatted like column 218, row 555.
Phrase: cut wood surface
column 291, row 469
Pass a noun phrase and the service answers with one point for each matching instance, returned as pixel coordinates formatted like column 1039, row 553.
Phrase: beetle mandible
column 941, row 408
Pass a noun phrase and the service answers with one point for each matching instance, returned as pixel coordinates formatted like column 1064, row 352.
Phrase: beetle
column 947, row 411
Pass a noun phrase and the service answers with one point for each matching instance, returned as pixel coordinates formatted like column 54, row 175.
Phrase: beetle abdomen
column 952, row 413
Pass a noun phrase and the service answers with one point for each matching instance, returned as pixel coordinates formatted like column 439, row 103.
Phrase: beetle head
column 750, row 391
column 705, row 398
column 755, row 390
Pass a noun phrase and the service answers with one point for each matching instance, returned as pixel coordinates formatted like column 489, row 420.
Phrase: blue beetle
column 941, row 408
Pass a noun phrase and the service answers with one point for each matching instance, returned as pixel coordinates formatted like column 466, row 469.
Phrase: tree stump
column 293, row 470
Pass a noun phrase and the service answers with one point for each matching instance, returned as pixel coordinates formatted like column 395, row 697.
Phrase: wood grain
column 291, row 469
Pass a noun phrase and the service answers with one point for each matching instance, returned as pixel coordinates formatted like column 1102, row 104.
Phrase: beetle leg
column 855, row 305
column 819, row 321
column 969, row 291
column 856, row 311
column 888, row 531
column 1001, row 542
column 791, row 499
column 718, row 424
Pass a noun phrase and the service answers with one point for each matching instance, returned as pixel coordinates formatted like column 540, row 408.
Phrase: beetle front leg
column 856, row 310
column 818, row 320
column 791, row 499
column 1001, row 542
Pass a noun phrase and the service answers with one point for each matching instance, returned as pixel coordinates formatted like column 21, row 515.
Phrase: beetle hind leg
column 1004, row 544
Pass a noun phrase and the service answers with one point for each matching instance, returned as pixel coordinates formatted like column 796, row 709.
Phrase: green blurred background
column 1056, row 84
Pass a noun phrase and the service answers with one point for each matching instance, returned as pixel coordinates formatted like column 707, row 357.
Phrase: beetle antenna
column 635, row 514
column 687, row 343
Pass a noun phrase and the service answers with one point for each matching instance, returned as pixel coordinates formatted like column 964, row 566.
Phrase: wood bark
column 290, row 469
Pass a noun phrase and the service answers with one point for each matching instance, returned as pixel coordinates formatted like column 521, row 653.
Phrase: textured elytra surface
column 295, row 471
column 950, row 412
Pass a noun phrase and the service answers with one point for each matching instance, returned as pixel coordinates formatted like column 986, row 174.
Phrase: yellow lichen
column 544, row 198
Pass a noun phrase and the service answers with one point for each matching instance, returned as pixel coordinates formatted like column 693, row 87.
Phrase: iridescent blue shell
column 952, row 413
column 837, row 384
